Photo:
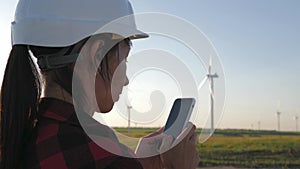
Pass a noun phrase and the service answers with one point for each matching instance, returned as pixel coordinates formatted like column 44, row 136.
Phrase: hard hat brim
column 139, row 36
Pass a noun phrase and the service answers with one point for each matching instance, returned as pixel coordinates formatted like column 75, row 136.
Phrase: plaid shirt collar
column 58, row 110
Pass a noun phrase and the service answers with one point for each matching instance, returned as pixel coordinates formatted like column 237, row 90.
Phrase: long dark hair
column 19, row 98
column 20, row 94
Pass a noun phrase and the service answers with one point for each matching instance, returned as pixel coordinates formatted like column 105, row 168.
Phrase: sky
column 257, row 43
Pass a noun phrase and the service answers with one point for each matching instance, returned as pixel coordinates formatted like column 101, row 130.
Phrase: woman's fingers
column 193, row 139
column 159, row 131
column 191, row 133
column 183, row 154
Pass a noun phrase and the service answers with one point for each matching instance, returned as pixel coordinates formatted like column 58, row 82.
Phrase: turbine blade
column 202, row 83
column 211, row 92
column 210, row 60
column 209, row 65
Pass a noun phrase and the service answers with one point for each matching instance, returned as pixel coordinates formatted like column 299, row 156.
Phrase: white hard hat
column 58, row 23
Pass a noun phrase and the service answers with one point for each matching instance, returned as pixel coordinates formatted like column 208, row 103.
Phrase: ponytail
column 19, row 98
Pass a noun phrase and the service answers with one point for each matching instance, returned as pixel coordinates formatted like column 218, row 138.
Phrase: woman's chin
column 106, row 108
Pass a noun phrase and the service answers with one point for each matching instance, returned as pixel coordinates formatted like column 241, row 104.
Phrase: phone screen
column 179, row 116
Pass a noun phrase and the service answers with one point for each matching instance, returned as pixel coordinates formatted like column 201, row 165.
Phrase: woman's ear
column 90, row 49
column 95, row 47
column 89, row 52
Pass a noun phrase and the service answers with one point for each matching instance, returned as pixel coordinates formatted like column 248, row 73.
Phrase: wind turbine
column 296, row 119
column 210, row 77
column 128, row 110
column 278, row 117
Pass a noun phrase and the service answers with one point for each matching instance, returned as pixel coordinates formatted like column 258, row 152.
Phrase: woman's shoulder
column 66, row 146
column 59, row 141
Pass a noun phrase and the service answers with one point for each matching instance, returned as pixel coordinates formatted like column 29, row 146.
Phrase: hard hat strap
column 60, row 59
column 55, row 61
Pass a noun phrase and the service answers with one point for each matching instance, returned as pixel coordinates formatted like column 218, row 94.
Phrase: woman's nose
column 126, row 81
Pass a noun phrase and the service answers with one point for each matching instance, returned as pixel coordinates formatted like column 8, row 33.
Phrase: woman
column 45, row 132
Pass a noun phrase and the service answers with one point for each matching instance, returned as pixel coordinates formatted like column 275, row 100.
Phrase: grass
column 251, row 151
column 244, row 148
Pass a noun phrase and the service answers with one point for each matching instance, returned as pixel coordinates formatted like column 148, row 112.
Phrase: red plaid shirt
column 59, row 142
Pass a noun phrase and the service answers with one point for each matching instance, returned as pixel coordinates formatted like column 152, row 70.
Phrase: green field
column 244, row 148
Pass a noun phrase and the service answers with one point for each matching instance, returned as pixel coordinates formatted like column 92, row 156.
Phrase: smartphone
column 179, row 116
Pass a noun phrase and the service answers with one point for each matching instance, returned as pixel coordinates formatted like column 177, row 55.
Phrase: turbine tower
column 296, row 119
column 278, row 120
column 278, row 116
column 128, row 110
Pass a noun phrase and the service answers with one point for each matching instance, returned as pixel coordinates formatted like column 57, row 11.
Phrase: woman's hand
column 162, row 151
column 148, row 148
column 183, row 155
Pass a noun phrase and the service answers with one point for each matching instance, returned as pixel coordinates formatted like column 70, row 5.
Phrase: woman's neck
column 54, row 90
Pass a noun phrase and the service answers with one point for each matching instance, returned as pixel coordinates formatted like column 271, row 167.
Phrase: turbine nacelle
column 212, row 75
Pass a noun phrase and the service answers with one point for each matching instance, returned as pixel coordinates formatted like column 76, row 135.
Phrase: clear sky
column 258, row 43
